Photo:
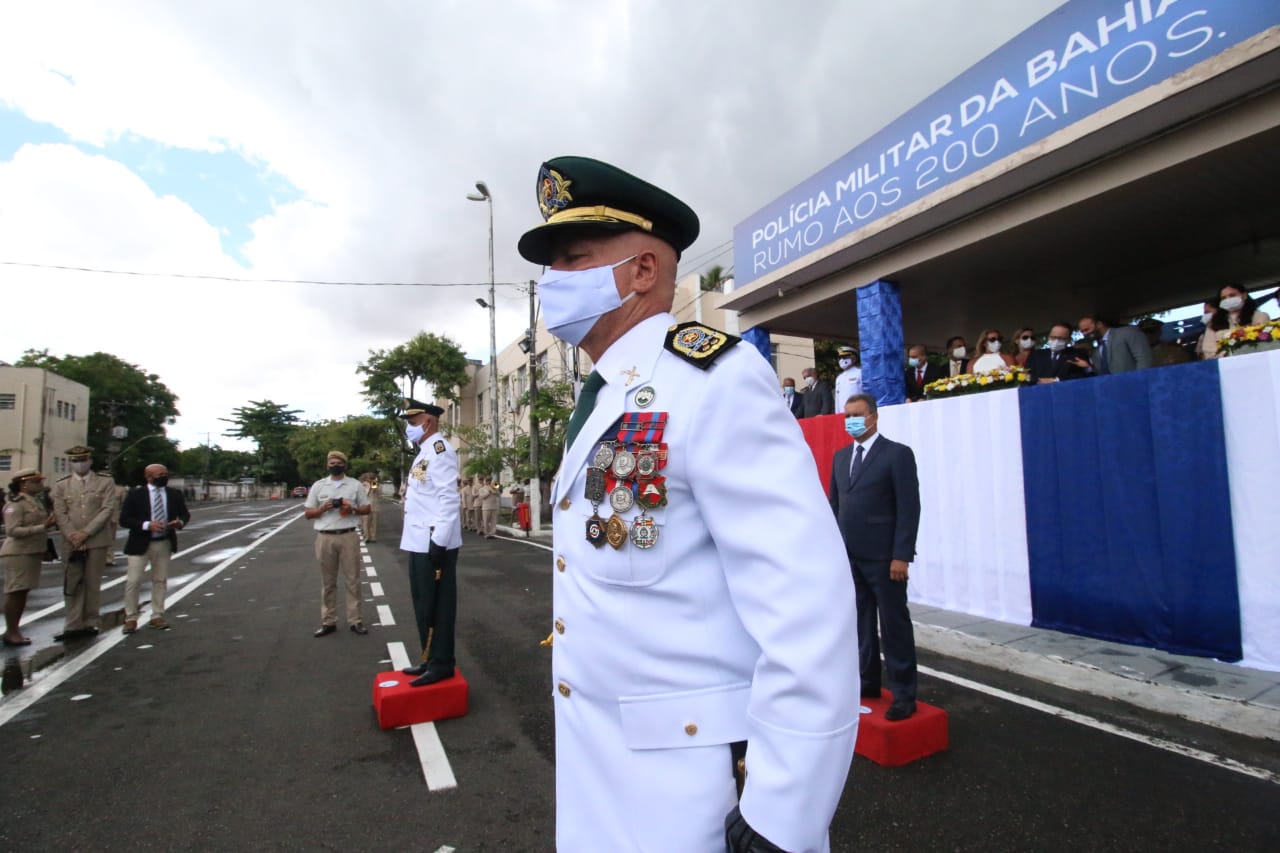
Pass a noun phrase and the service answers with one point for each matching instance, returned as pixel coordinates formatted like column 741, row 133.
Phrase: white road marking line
column 48, row 680
column 436, row 769
column 370, row 571
column 1094, row 723
column 54, row 608
column 375, row 589
column 446, row 849
column 368, row 559
column 384, row 615
column 530, row 542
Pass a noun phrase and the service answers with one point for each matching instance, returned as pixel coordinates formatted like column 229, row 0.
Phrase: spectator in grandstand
column 989, row 355
column 1235, row 308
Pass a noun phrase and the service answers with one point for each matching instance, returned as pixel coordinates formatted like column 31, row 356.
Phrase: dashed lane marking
column 385, row 617
column 375, row 589
column 435, row 763
column 370, row 571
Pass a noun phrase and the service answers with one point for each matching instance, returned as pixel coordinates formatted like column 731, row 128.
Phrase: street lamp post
column 482, row 194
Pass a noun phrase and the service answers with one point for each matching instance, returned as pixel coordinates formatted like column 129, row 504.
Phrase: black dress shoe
column 359, row 628
column 325, row 630
column 431, row 677
column 420, row 669
column 900, row 710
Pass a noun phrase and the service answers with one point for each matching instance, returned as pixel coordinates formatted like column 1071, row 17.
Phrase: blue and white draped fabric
column 1136, row 507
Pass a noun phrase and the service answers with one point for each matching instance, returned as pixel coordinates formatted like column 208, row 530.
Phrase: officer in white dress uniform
column 684, row 627
column 849, row 380
column 432, row 536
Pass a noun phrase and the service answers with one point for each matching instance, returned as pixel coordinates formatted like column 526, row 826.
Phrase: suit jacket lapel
column 867, row 457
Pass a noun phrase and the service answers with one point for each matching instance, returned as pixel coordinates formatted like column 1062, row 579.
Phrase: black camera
column 337, row 503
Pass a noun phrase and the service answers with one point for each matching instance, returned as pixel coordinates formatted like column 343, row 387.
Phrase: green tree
column 372, row 444
column 433, row 359
column 269, row 425
column 120, row 395
column 712, row 281
column 214, row 463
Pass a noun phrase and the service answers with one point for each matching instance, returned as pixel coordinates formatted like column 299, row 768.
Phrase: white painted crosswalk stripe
column 384, row 615
column 436, row 769
column 375, row 589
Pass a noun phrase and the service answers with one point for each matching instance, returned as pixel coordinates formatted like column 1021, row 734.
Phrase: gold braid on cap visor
column 599, row 213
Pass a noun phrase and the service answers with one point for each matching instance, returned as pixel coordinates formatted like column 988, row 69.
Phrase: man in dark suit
column 152, row 514
column 795, row 402
column 876, row 499
column 920, row 372
column 817, row 396
column 1120, row 348
column 1060, row 361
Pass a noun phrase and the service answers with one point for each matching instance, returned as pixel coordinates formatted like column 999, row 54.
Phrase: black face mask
column 337, row 470
column 160, row 482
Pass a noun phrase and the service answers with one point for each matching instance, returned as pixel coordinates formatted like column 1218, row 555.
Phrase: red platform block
column 895, row 744
column 398, row 704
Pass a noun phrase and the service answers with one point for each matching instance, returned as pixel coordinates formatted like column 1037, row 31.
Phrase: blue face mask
column 573, row 300
column 788, row 390
column 855, row 425
column 913, row 361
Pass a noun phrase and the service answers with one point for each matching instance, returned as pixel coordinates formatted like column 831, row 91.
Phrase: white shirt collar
column 866, row 445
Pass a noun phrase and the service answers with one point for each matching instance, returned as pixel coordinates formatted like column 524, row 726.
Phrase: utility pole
column 208, row 460
column 535, row 482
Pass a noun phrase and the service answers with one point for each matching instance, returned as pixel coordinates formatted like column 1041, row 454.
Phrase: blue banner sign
column 1083, row 57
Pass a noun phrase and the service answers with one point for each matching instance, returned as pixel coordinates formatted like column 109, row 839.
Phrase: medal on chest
column 625, row 471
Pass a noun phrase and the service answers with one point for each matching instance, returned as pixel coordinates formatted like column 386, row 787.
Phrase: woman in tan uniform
column 26, row 522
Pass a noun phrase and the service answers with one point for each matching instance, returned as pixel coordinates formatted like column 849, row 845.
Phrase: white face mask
column 1206, row 317
column 1057, row 345
column 414, row 433
column 1232, row 303
column 573, row 300
column 82, row 468
column 993, row 346
column 1026, row 343
column 959, row 353
column 809, row 381
column 846, row 363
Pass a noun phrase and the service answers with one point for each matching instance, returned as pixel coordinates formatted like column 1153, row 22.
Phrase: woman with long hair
column 990, row 357
column 1026, row 340
column 1235, row 308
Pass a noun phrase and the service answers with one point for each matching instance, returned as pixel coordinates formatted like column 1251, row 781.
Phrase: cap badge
column 553, row 191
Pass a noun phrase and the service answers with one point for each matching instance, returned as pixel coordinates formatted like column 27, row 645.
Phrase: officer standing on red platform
column 432, row 536
column 685, row 629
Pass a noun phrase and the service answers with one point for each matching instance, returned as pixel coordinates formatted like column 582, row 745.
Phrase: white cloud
column 384, row 114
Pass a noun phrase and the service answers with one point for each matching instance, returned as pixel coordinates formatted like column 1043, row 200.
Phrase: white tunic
column 738, row 625
column 431, row 498
column 848, row 383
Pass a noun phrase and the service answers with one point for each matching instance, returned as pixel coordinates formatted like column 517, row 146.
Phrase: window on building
column 6, row 462
column 773, row 356
column 8, row 401
column 61, row 408
column 73, row 411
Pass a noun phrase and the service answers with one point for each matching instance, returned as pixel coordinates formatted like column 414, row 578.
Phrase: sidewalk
column 1226, row 696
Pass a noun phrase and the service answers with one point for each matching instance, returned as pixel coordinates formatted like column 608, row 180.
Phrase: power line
column 262, row 280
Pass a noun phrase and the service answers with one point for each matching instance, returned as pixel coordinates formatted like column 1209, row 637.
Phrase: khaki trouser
column 469, row 518
column 158, row 554
column 334, row 552
column 82, row 588
column 488, row 521
column 369, row 524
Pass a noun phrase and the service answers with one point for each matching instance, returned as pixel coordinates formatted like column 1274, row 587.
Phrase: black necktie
column 586, row 403
column 855, row 470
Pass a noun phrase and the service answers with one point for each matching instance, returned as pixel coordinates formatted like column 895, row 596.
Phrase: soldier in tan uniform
column 26, row 521
column 83, row 502
column 369, row 523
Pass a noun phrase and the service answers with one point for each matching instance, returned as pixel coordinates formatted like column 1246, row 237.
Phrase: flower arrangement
column 1250, row 338
column 973, row 383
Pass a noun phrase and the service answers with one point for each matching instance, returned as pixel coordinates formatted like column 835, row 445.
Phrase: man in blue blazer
column 875, row 496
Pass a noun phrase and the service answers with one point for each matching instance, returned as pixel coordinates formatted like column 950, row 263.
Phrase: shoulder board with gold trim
column 698, row 344
column 438, row 446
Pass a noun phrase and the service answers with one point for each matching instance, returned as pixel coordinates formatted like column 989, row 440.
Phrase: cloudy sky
column 337, row 141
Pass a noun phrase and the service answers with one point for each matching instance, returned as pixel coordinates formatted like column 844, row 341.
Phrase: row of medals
column 625, row 467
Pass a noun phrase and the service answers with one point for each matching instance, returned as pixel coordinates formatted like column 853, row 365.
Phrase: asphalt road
column 238, row 730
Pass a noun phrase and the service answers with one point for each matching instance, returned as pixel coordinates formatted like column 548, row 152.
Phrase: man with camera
column 331, row 505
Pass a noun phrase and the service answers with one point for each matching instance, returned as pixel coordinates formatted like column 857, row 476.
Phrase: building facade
column 41, row 415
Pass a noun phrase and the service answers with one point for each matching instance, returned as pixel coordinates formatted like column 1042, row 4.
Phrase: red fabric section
column 825, row 435
column 398, row 704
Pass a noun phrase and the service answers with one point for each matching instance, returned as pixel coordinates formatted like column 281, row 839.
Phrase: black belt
column 336, row 532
